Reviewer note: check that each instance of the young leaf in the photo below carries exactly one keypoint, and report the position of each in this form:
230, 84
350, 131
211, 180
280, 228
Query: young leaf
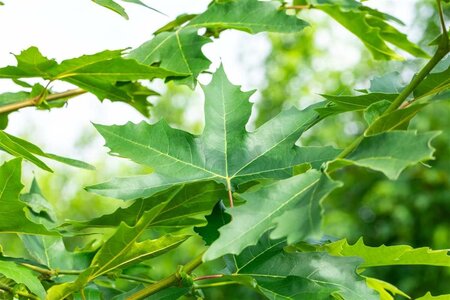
123, 248
24, 149
385, 289
12, 214
226, 152
389, 152
112, 5
429, 296
30, 63
22, 275
281, 275
291, 206
389, 255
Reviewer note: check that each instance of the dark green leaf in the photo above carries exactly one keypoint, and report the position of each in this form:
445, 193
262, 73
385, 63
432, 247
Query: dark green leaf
291, 206
225, 152
216, 219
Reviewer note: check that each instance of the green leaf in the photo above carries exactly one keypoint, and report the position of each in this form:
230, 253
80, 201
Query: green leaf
112, 5
281, 275
105, 74
12, 214
123, 248
397, 119
375, 110
389, 255
370, 26
226, 152
178, 51
291, 206
251, 16
47, 250
434, 83
10, 145
186, 206
30, 63
389, 152
428, 296
217, 218
22, 275
385, 289
24, 149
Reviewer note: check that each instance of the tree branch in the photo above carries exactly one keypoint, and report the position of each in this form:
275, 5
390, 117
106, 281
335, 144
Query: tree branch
35, 100
168, 281
441, 52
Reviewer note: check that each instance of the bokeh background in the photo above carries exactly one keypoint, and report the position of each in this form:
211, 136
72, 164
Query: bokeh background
286, 70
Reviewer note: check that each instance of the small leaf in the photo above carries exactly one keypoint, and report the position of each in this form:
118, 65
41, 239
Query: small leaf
428, 296
375, 110
385, 289
398, 119
218, 218
389, 255
22, 275
12, 214
389, 152
112, 5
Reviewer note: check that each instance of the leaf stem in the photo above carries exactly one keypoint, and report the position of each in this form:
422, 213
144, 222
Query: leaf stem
23, 294
168, 281
55, 273
206, 277
215, 284
230, 192
35, 100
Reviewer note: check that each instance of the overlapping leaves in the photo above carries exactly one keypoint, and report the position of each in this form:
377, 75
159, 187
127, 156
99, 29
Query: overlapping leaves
178, 48
105, 74
225, 152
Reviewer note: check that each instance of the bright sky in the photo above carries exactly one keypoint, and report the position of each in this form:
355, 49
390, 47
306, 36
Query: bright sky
70, 28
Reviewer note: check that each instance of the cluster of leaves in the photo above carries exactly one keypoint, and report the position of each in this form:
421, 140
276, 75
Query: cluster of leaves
269, 237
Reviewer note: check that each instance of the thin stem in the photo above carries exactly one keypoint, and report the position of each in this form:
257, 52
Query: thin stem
298, 7
55, 273
35, 100
23, 294
216, 284
441, 18
230, 192
168, 281
206, 277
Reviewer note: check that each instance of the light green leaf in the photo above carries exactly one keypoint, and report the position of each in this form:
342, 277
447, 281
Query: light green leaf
291, 206
389, 152
252, 16
226, 152
112, 5
398, 119
389, 255
22, 275
434, 83
375, 110
30, 63
24, 149
281, 275
385, 289
187, 206
12, 213
370, 26
428, 296
123, 248
178, 51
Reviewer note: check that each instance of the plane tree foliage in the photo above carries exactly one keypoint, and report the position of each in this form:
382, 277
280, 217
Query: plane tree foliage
254, 196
